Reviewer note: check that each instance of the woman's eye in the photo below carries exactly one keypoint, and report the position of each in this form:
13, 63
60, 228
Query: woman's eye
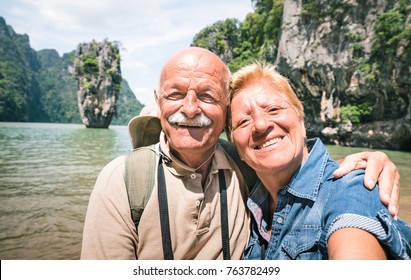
242, 123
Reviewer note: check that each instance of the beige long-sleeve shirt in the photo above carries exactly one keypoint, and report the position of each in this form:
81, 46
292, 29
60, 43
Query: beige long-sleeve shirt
195, 225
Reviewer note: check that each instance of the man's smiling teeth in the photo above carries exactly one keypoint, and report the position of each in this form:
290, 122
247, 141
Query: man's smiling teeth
188, 124
269, 143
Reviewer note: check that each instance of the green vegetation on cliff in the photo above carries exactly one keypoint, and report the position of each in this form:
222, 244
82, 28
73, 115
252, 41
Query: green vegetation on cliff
98, 73
257, 37
239, 43
19, 89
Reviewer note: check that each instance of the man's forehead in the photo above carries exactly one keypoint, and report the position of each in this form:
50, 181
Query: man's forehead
183, 75
196, 64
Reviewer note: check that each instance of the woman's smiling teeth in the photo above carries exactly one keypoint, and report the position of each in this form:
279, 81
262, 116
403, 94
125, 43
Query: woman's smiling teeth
269, 143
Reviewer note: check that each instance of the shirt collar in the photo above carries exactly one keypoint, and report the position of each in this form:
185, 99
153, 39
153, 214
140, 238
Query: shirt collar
179, 168
306, 181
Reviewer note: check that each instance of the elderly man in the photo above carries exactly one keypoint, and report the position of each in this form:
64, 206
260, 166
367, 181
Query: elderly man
192, 100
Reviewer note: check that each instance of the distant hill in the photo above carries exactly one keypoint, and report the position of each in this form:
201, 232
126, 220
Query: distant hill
38, 86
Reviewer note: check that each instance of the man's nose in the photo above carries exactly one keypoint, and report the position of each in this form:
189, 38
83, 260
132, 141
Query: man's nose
190, 105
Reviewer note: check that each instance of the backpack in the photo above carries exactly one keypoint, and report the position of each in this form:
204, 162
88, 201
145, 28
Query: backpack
140, 178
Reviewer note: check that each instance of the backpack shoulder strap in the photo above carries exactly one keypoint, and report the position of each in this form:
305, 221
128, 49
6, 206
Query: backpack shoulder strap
139, 178
249, 175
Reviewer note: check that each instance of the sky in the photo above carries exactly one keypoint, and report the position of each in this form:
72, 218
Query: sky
148, 31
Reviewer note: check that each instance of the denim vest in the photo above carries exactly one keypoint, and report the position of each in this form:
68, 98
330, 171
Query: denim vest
313, 206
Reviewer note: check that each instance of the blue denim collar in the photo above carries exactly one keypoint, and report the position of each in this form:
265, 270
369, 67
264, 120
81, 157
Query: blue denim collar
306, 181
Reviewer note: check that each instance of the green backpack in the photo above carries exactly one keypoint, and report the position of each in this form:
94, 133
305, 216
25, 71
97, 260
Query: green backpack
141, 163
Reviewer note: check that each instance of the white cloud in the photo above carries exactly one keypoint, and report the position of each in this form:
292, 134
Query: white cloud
148, 31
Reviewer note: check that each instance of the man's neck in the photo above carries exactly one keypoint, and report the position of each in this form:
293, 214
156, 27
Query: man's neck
201, 162
194, 159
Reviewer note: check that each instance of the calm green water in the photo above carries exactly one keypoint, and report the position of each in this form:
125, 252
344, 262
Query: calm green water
47, 172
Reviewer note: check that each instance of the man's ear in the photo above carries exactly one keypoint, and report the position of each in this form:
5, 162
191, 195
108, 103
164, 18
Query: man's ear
156, 98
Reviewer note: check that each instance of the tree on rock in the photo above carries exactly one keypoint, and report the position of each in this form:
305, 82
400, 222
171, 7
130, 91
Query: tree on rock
97, 70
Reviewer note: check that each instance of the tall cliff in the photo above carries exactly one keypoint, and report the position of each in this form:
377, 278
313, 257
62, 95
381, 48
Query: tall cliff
349, 61
97, 70
19, 88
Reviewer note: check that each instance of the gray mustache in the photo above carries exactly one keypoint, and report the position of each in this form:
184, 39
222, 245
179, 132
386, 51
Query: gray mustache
199, 120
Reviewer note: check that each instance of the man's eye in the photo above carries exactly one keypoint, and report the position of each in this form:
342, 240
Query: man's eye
205, 97
175, 96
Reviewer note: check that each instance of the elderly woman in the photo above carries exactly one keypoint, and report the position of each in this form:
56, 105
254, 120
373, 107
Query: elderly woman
299, 210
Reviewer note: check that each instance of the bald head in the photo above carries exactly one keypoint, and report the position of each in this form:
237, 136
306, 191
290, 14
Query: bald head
196, 58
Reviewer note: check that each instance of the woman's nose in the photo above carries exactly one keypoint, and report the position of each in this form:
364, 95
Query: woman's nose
261, 123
